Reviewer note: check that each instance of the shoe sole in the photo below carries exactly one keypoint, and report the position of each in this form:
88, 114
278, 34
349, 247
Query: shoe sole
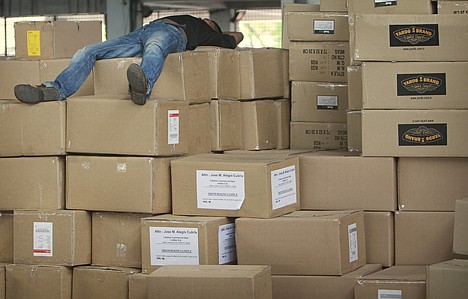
28, 94
137, 82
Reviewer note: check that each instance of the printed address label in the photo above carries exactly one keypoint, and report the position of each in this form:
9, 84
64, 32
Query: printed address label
221, 190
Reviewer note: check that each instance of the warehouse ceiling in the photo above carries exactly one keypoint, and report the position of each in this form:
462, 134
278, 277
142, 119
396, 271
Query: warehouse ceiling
210, 4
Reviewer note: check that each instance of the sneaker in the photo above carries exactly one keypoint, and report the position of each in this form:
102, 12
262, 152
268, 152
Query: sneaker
30, 94
137, 84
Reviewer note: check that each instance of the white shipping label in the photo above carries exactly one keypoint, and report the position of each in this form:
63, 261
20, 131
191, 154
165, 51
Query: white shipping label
380, 3
324, 26
327, 102
174, 246
353, 242
173, 122
389, 294
43, 239
222, 190
283, 187
227, 243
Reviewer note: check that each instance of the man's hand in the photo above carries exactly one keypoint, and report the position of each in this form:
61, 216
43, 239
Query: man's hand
237, 35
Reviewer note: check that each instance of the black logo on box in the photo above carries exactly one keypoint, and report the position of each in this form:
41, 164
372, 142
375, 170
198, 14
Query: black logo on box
414, 35
421, 84
422, 135
385, 3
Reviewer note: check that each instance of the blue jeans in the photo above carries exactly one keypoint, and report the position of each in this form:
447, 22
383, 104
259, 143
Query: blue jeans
153, 42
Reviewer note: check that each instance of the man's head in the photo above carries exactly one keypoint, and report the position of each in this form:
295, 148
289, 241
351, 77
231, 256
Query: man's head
213, 25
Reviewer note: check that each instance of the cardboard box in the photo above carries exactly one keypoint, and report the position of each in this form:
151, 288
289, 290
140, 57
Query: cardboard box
58, 39
390, 7
137, 286
199, 129
286, 87
259, 123
159, 128
6, 241
320, 242
429, 37
283, 119
410, 85
259, 186
319, 102
119, 184
393, 282
38, 281
323, 287
319, 61
452, 7
380, 237
431, 184
32, 130
226, 125
287, 7
354, 136
13, 72
447, 279
32, 183
318, 136
460, 238
317, 26
2, 281
60, 237
334, 5
411, 133
231, 282
181, 240
417, 232
261, 73
332, 180
101, 282
116, 240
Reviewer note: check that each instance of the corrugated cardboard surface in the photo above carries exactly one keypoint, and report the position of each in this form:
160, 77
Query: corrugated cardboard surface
285, 60
259, 123
431, 184
119, 184
406, 281
380, 237
137, 286
423, 238
287, 7
390, 7
116, 239
303, 242
452, 7
112, 124
229, 282
226, 125
460, 237
318, 136
199, 129
70, 241
256, 175
2, 281
447, 279
354, 128
6, 241
323, 287
317, 26
32, 183
333, 5
283, 117
38, 281
340, 181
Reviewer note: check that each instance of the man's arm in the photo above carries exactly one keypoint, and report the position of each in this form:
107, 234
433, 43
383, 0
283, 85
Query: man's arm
238, 36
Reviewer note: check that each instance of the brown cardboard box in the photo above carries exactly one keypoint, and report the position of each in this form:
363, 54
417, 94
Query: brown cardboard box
460, 237
110, 75
137, 286
447, 280
259, 123
407, 133
101, 282
2, 281
390, 7
323, 287
6, 241
410, 85
332, 180
119, 184
318, 136
283, 119
319, 102
226, 125
423, 238
393, 282
181, 240
38, 281
317, 26
58, 39
452, 7
116, 240
199, 129
261, 73
286, 87
13, 72
334, 5
319, 61
380, 237
304, 242
287, 7
228, 282
259, 186
112, 124
32, 183
354, 126
32, 130
431, 184
392, 38
60, 237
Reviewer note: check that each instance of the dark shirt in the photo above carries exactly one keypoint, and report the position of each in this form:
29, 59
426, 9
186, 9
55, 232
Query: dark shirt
199, 33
